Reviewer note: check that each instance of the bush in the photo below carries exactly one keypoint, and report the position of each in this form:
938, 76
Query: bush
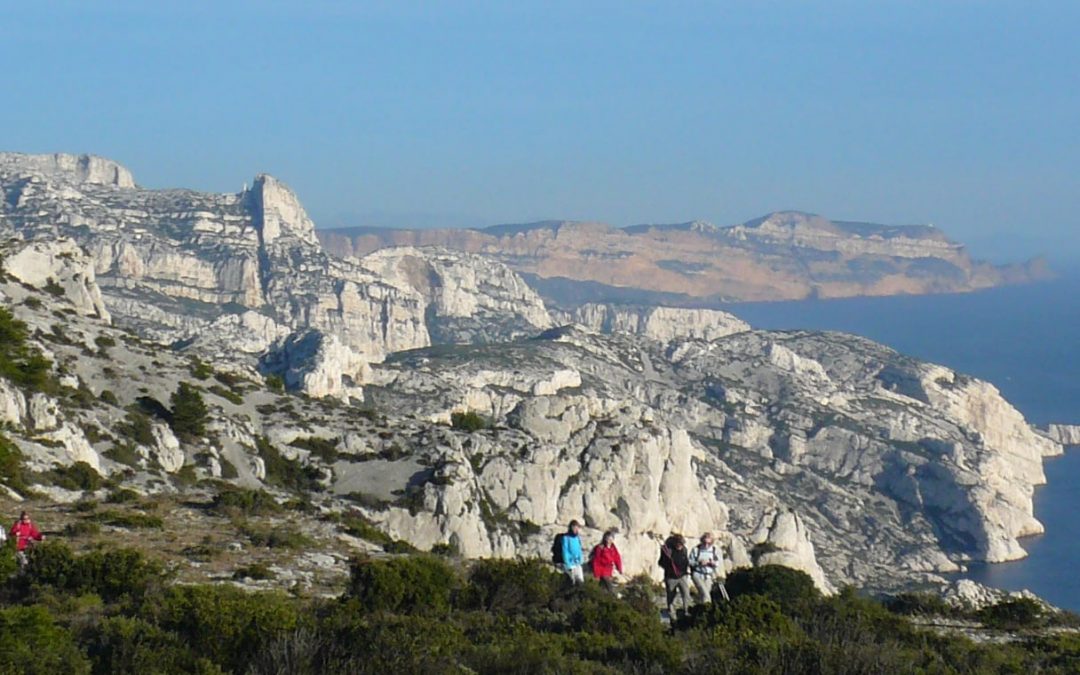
189, 413
129, 520
323, 448
468, 421
124, 453
121, 644
792, 589
32, 643
121, 496
104, 342
233, 501
137, 427
1012, 614
286, 473
20, 362
416, 584
108, 397
255, 571
227, 394
12, 472
78, 476
275, 383
919, 604
225, 624
510, 585
111, 574
275, 537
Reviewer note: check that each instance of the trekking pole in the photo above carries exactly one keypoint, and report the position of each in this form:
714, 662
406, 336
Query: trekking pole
723, 591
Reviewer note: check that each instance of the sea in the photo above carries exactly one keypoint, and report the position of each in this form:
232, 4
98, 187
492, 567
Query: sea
1024, 340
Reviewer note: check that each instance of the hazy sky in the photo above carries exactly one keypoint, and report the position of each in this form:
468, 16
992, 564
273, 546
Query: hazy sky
963, 114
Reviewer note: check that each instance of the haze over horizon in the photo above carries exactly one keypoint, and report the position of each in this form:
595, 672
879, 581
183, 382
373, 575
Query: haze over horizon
957, 113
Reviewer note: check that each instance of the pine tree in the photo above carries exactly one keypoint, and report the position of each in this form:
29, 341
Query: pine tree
189, 412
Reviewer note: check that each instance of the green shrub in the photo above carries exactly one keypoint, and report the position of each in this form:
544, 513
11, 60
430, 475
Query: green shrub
12, 472
20, 362
104, 342
129, 520
82, 528
226, 624
32, 643
286, 473
468, 421
510, 585
121, 496
919, 604
275, 537
53, 288
415, 584
235, 501
256, 571
792, 589
111, 574
227, 394
1013, 614
122, 644
189, 414
138, 427
33, 302
124, 453
107, 396
275, 383
323, 448
78, 476
200, 370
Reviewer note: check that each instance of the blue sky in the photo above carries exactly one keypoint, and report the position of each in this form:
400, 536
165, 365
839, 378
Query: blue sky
963, 114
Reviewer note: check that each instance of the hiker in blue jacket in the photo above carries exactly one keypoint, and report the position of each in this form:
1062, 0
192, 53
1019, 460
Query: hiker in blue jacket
571, 553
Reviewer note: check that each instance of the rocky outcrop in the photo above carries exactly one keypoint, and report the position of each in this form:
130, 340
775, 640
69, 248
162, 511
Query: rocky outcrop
60, 267
1066, 434
784, 255
317, 364
664, 324
782, 539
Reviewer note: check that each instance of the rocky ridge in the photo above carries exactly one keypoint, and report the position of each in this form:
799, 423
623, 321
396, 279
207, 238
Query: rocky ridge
783, 256
183, 266
825, 452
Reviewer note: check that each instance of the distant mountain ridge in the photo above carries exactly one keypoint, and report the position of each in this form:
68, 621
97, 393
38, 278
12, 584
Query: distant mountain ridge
784, 255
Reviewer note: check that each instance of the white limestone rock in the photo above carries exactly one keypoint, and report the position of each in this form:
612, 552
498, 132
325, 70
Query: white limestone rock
318, 365
58, 263
664, 324
1066, 434
782, 539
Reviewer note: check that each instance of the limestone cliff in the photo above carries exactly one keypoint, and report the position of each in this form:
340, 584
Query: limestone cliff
181, 266
782, 256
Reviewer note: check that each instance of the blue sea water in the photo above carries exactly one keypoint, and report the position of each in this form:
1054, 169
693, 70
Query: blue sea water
1023, 339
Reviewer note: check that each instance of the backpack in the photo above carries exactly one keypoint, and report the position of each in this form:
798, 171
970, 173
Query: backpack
556, 549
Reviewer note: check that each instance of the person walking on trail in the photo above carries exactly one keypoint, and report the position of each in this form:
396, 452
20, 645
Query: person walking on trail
24, 533
707, 567
676, 566
605, 560
571, 553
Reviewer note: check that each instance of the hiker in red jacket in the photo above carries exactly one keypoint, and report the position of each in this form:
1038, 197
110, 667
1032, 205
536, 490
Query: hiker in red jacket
24, 532
605, 560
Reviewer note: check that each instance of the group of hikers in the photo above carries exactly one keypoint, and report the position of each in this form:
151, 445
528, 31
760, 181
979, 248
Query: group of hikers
24, 533
703, 564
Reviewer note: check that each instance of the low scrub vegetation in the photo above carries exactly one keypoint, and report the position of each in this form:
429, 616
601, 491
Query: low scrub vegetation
115, 611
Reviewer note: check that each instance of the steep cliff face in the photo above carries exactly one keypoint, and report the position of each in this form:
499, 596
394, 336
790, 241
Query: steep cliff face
181, 266
785, 255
